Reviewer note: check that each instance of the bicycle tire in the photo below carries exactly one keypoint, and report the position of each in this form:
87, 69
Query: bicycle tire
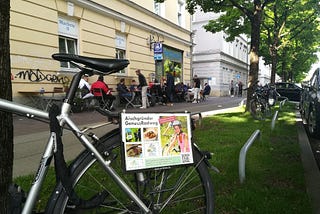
155, 191
257, 109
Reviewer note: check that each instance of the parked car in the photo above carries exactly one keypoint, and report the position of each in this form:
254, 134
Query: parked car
289, 90
310, 104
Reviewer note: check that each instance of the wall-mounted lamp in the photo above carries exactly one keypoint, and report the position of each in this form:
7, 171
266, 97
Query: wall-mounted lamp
151, 40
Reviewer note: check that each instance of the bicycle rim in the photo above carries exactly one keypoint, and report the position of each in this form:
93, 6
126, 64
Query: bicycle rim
174, 190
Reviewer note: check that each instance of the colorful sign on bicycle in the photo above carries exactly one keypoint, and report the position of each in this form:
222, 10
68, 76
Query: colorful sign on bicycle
156, 140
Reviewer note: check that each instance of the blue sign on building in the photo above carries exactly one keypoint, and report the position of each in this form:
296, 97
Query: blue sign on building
157, 48
158, 56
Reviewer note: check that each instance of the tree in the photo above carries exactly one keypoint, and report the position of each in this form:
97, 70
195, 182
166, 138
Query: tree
237, 17
6, 127
289, 29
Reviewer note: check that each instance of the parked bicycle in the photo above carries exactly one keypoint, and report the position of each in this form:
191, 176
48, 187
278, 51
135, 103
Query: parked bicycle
263, 98
95, 182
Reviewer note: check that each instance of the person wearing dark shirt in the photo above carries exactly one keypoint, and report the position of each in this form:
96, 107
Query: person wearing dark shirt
170, 88
124, 93
206, 89
144, 87
122, 89
133, 87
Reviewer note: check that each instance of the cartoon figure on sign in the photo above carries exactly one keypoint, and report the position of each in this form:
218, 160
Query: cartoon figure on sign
179, 140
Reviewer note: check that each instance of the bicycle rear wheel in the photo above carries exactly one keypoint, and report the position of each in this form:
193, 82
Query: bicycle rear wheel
257, 109
173, 190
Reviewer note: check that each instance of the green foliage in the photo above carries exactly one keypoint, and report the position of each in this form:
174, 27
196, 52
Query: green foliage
290, 30
174, 69
289, 37
235, 16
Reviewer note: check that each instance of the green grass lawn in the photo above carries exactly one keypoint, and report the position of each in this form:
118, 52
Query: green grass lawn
274, 174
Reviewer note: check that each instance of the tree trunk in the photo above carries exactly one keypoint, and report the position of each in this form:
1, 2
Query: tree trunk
254, 49
274, 62
6, 127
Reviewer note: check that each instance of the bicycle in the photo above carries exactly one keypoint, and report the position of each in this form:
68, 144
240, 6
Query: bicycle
263, 98
95, 182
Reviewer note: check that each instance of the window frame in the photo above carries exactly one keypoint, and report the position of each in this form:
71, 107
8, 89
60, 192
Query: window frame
180, 13
122, 71
121, 46
69, 67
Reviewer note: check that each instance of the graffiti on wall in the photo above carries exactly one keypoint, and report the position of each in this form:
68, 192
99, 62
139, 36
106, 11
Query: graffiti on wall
38, 76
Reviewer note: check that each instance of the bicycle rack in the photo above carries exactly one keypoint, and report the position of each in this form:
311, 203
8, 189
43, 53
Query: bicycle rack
283, 102
243, 153
275, 117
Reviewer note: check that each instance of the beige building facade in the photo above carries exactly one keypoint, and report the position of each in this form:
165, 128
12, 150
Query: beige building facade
150, 35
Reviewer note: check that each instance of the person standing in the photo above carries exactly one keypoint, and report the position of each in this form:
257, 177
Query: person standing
170, 88
236, 92
144, 87
240, 88
231, 88
196, 83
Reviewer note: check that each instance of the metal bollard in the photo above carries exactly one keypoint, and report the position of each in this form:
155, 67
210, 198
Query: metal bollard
243, 153
275, 117
282, 103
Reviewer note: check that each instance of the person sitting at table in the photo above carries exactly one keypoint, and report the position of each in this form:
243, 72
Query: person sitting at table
206, 89
85, 87
190, 94
123, 90
102, 93
133, 86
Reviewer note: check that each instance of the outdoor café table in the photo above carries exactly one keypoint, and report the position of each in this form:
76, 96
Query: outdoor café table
42, 99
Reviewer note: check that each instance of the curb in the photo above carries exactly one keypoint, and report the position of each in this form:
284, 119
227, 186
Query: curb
311, 170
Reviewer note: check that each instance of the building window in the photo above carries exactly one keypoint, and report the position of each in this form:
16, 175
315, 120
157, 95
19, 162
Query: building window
67, 45
159, 8
68, 39
121, 42
121, 54
180, 13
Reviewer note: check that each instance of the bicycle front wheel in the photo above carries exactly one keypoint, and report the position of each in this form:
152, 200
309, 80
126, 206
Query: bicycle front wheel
172, 190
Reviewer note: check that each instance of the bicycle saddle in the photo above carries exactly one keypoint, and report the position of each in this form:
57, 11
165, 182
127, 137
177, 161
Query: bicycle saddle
101, 64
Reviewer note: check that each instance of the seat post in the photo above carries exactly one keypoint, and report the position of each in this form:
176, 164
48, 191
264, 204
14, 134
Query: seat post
73, 88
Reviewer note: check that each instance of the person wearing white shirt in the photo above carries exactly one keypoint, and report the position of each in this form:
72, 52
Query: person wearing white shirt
85, 87
190, 93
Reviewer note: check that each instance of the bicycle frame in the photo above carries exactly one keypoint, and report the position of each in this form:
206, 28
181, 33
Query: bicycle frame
47, 155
